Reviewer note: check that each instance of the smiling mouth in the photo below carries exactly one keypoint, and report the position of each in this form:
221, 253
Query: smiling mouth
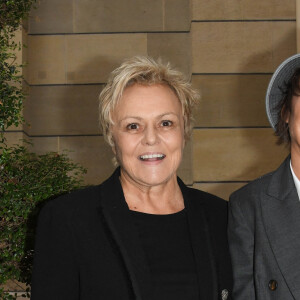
152, 157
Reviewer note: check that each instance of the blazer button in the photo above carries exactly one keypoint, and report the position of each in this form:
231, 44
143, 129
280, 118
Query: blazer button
273, 285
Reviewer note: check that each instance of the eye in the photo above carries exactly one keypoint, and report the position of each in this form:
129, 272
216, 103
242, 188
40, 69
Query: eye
132, 126
166, 123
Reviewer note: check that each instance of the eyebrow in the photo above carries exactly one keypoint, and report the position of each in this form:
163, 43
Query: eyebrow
139, 118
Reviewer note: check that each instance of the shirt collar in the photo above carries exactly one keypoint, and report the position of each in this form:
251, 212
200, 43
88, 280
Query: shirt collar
296, 180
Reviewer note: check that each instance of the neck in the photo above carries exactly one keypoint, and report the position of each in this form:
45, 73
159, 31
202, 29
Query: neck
295, 160
165, 198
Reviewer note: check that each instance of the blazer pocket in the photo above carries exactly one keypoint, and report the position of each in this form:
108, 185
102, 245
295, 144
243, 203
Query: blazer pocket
261, 287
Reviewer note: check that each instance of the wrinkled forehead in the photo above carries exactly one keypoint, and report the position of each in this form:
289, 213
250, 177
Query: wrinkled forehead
135, 87
149, 99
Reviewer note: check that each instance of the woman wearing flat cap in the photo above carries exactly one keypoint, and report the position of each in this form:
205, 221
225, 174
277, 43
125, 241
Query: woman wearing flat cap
141, 234
264, 216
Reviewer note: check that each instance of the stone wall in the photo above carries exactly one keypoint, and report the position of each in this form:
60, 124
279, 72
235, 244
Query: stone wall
229, 48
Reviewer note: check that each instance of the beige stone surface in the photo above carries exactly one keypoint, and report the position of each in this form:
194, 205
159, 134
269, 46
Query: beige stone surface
14, 137
60, 59
15, 288
235, 154
42, 145
284, 42
92, 16
90, 58
243, 9
19, 296
25, 54
18, 39
39, 145
51, 16
118, 16
13, 285
231, 100
241, 47
92, 153
185, 171
220, 189
171, 47
46, 60
63, 110
15, 128
177, 15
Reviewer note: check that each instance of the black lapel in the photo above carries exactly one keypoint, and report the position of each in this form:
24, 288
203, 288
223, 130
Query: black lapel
201, 244
281, 217
119, 221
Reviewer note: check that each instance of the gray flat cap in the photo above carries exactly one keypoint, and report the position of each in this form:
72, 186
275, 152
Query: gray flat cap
274, 93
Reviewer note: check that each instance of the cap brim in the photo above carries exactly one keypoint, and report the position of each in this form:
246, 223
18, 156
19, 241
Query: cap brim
274, 92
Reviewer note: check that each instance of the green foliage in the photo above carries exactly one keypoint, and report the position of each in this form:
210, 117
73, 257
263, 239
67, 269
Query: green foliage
11, 93
27, 180
12, 11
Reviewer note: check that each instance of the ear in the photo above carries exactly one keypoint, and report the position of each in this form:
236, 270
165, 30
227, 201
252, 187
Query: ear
111, 143
113, 148
285, 114
287, 117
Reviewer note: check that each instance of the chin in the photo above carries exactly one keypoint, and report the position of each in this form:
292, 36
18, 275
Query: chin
155, 180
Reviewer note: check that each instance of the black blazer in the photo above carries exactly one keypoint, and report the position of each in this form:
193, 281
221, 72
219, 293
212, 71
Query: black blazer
87, 246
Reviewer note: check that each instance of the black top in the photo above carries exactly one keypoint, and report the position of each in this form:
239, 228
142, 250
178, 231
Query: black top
166, 242
88, 247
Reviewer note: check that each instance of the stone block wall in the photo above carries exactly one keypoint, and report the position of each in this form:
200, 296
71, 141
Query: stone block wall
228, 48
236, 46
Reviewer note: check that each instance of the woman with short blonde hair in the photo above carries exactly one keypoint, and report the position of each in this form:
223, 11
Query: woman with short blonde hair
142, 234
145, 71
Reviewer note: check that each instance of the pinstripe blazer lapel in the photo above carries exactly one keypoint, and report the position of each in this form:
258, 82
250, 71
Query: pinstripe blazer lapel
281, 217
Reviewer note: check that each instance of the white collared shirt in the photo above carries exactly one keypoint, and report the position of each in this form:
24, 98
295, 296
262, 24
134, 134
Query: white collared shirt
296, 180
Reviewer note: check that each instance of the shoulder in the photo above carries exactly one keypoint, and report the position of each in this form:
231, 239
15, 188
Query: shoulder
252, 190
214, 208
198, 198
246, 201
203, 198
258, 187
73, 203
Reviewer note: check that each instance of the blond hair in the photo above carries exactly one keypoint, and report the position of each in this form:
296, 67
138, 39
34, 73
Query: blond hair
146, 71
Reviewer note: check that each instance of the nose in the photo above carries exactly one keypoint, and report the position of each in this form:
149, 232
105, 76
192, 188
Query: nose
150, 136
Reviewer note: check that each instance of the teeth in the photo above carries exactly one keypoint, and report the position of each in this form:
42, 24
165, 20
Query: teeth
148, 156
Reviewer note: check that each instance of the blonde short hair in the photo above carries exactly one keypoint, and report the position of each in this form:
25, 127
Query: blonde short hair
146, 71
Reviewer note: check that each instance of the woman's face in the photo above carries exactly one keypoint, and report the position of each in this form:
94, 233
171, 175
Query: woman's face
148, 134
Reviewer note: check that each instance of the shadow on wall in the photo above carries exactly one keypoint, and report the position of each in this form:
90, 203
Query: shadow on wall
84, 137
260, 143
65, 116
234, 142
